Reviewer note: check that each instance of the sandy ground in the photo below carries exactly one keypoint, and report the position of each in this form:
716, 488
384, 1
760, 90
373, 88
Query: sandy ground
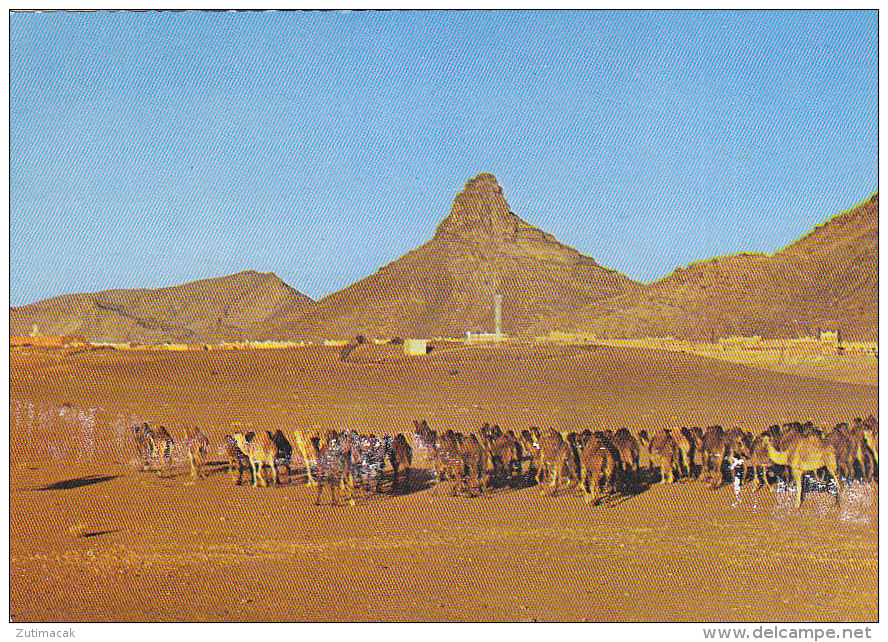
93, 539
851, 367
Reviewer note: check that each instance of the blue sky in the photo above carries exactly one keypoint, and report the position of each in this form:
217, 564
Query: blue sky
152, 149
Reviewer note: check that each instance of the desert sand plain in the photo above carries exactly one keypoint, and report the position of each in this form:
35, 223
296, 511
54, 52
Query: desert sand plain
92, 538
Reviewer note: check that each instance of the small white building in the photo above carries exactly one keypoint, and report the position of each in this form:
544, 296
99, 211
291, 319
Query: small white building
415, 346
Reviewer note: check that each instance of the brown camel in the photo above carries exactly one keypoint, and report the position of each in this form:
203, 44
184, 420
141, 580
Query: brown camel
237, 459
161, 447
196, 444
401, 458
598, 468
504, 452
557, 457
309, 453
664, 454
627, 445
805, 455
261, 452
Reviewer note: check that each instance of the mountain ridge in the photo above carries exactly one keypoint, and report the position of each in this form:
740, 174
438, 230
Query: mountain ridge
446, 286
228, 307
826, 279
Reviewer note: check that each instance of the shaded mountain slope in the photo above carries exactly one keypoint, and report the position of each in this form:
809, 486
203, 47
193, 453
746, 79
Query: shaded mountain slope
827, 279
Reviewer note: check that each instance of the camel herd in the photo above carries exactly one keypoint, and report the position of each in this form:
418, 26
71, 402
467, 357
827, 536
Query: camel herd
600, 463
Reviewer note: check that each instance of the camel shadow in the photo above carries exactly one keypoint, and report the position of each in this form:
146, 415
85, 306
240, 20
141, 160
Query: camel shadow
417, 481
78, 482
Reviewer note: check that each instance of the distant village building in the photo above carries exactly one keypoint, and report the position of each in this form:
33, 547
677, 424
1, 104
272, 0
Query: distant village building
741, 342
34, 338
415, 346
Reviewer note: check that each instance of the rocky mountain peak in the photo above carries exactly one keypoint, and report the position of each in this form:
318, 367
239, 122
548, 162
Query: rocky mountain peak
480, 212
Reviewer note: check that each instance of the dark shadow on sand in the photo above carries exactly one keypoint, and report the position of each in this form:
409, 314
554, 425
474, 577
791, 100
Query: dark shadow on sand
78, 482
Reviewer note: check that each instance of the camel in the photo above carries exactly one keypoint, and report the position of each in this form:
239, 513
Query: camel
309, 454
196, 445
366, 455
664, 454
504, 454
428, 438
161, 446
717, 444
531, 449
142, 439
284, 456
448, 460
684, 451
401, 458
332, 468
871, 434
556, 456
805, 455
845, 448
237, 458
350, 446
694, 437
597, 467
474, 457
755, 456
864, 453
627, 446
262, 452
153, 444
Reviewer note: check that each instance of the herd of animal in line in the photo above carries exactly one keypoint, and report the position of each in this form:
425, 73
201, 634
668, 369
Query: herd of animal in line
600, 462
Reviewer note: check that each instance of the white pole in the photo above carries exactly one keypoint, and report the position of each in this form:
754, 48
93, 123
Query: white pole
498, 313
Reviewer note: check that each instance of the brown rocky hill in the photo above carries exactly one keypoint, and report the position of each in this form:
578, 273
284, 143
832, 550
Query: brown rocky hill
447, 286
827, 279
239, 306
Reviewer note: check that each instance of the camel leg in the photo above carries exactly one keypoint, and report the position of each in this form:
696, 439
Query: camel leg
318, 498
590, 488
866, 464
260, 468
556, 478
584, 484
311, 478
798, 478
838, 486
717, 478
